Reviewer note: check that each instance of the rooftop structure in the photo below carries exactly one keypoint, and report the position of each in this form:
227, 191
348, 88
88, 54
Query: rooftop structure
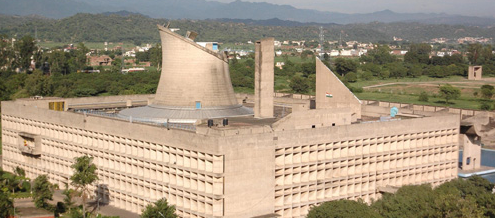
194, 84
244, 166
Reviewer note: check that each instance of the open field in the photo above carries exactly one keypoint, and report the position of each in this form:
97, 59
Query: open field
464, 103
407, 91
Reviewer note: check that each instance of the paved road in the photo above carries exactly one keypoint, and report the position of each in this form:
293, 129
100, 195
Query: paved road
58, 196
103, 209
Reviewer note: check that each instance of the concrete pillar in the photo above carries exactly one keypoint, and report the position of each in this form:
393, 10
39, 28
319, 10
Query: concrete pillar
264, 78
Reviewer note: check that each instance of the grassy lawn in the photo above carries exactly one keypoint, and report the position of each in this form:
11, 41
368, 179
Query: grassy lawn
463, 102
361, 83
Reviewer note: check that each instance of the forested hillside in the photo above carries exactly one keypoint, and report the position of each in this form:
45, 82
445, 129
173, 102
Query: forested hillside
138, 28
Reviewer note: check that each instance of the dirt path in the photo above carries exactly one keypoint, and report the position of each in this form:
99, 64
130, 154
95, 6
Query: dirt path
431, 83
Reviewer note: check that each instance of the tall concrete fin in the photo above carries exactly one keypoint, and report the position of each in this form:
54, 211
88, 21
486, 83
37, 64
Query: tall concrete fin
332, 93
264, 78
192, 74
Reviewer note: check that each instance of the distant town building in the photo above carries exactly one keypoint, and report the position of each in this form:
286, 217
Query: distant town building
103, 60
210, 45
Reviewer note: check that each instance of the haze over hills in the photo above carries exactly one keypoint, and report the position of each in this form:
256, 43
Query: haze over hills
125, 26
202, 9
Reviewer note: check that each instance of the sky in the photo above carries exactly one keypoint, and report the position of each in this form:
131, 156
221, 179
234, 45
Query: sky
481, 8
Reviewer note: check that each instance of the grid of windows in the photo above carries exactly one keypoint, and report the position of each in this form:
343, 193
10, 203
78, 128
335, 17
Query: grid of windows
132, 172
306, 175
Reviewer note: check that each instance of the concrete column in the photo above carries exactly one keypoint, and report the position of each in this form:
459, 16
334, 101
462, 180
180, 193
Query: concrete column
264, 78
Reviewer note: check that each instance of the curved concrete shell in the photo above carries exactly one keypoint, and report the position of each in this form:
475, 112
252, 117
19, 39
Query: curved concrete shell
194, 83
192, 73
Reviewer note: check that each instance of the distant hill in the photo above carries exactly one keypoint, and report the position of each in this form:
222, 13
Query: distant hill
202, 9
122, 13
113, 27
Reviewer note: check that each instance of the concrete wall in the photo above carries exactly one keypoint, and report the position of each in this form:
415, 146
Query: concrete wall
136, 163
88, 102
352, 161
471, 146
475, 73
342, 97
192, 73
305, 119
203, 174
264, 78
236, 171
427, 108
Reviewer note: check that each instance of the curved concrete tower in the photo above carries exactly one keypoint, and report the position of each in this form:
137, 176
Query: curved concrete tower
194, 83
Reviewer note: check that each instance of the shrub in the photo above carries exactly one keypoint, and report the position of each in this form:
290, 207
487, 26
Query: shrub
423, 96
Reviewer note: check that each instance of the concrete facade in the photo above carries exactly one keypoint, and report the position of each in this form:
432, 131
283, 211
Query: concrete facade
233, 171
475, 73
264, 79
332, 93
183, 82
471, 152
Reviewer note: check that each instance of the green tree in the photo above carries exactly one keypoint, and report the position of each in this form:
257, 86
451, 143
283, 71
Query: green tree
19, 172
408, 201
450, 203
58, 62
342, 209
68, 198
155, 56
375, 69
397, 70
474, 52
485, 106
423, 96
418, 54
25, 48
6, 205
344, 66
487, 91
305, 54
78, 59
415, 70
308, 68
4, 93
42, 191
351, 77
379, 55
159, 209
299, 84
39, 84
462, 194
448, 92
84, 175
7, 54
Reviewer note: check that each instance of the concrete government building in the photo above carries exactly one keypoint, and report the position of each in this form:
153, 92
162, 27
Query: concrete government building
213, 153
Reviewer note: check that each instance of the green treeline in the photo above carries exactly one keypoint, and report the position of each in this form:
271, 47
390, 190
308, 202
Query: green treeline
55, 72
376, 65
141, 29
468, 198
